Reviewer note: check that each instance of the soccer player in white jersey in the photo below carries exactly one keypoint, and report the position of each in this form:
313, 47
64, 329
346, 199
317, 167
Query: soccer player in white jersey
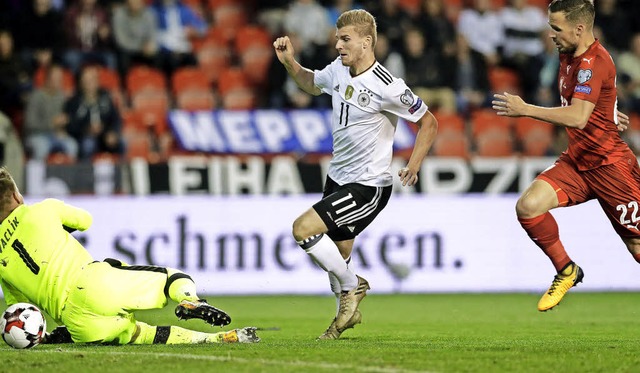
367, 101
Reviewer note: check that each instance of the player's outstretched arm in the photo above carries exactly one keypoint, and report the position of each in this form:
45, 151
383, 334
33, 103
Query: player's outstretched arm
301, 75
574, 115
71, 217
428, 127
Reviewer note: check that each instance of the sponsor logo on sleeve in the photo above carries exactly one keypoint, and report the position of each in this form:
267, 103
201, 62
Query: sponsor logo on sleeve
583, 89
415, 106
584, 76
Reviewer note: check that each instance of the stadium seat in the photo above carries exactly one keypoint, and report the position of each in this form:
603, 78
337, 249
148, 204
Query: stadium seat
483, 120
153, 107
239, 98
213, 57
251, 35
138, 144
535, 137
491, 134
451, 144
255, 61
194, 99
450, 122
504, 80
188, 78
229, 16
145, 78
410, 6
231, 78
542, 4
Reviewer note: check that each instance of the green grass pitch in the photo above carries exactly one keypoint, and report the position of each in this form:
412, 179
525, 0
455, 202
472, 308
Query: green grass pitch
588, 332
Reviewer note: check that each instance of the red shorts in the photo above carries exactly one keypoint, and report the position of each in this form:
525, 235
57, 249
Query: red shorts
616, 187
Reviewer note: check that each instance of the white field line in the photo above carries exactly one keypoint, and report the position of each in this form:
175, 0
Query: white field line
310, 364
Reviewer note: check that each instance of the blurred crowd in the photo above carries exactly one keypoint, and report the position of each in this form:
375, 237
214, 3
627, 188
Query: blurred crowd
84, 79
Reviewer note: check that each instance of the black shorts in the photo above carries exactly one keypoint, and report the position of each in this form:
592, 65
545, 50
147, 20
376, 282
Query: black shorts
348, 209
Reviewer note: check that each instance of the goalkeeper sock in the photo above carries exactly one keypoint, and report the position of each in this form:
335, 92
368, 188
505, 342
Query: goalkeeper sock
180, 286
149, 334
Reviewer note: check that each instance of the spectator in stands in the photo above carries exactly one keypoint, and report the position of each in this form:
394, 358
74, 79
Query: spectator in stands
271, 14
524, 28
472, 83
628, 65
615, 25
45, 121
392, 60
548, 77
392, 21
93, 119
425, 73
14, 79
88, 34
135, 35
177, 25
310, 22
481, 30
40, 38
435, 24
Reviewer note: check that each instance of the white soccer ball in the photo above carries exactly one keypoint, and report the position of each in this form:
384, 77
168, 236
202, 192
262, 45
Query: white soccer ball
23, 325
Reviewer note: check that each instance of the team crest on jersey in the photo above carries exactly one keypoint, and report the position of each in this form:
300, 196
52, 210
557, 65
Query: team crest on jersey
349, 92
407, 97
584, 76
363, 99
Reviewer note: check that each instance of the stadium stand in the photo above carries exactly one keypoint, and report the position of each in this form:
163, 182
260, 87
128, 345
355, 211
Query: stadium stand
234, 56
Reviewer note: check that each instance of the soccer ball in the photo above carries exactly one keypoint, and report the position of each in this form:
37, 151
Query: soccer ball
23, 325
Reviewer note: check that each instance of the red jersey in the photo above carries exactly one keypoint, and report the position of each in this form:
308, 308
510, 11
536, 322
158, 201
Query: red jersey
592, 77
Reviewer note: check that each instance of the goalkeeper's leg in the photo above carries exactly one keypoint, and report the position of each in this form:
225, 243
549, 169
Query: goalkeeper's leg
148, 334
150, 287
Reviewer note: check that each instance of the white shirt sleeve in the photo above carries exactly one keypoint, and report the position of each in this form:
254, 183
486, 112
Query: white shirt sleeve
323, 79
401, 101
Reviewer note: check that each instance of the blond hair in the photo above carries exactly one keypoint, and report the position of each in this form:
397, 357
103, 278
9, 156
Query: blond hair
363, 22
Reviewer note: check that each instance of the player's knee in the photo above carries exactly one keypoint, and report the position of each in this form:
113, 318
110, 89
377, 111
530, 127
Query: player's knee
527, 207
299, 229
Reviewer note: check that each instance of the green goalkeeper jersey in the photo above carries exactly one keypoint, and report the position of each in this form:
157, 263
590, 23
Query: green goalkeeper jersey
39, 259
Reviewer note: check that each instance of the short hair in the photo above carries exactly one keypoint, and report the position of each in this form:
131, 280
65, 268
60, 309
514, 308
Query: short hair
575, 10
363, 21
7, 188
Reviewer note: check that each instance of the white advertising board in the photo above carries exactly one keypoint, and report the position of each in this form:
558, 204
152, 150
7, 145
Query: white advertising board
243, 245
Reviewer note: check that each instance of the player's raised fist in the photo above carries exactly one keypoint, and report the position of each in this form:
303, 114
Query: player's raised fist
284, 48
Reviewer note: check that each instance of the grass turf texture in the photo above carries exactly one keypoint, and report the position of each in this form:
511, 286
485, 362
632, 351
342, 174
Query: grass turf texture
588, 332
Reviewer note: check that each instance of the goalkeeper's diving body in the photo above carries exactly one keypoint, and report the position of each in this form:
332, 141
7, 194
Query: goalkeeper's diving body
43, 264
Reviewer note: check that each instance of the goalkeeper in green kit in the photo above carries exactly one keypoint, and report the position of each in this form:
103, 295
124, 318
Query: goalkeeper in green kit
43, 264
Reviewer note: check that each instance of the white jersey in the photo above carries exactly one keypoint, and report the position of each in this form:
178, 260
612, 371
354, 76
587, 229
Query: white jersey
365, 114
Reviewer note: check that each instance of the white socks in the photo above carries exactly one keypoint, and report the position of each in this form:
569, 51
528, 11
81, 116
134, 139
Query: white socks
326, 254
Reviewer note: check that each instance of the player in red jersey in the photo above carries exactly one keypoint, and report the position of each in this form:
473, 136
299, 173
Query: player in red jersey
598, 164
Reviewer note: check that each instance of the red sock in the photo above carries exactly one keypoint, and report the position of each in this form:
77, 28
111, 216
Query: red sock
543, 231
